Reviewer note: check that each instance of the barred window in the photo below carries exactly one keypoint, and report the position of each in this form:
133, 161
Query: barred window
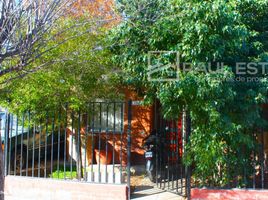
108, 117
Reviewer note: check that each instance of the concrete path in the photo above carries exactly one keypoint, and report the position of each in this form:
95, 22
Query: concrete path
144, 189
152, 193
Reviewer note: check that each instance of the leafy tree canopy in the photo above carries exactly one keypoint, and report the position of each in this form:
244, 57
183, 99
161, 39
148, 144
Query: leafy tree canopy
76, 71
224, 113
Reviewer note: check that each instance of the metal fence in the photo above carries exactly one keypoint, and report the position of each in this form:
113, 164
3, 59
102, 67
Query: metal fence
171, 173
242, 168
87, 144
92, 144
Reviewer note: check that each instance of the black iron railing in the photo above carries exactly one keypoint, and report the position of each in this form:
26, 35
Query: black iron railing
170, 170
241, 168
86, 144
171, 173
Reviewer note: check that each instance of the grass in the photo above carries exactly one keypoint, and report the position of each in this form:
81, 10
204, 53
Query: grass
59, 174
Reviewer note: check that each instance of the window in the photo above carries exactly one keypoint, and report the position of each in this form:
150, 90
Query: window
108, 117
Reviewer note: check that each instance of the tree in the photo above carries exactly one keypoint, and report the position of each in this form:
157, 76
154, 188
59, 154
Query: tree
76, 63
76, 72
224, 113
97, 10
23, 25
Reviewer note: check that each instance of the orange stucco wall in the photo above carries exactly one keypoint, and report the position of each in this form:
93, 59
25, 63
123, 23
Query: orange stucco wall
141, 126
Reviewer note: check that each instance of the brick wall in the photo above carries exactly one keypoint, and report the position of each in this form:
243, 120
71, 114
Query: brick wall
22, 188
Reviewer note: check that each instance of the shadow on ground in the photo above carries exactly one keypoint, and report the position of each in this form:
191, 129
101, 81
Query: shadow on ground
144, 191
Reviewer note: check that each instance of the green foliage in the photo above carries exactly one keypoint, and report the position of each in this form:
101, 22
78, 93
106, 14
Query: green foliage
224, 113
68, 174
75, 71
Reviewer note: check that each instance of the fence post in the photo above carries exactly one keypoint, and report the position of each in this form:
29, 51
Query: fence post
6, 161
78, 149
129, 145
2, 166
187, 130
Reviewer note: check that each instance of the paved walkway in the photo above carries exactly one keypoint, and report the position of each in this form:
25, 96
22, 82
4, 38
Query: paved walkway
144, 189
152, 193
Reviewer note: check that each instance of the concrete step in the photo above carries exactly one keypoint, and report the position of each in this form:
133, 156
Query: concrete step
103, 168
108, 177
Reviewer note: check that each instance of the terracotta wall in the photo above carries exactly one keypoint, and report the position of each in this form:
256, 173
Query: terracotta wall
141, 126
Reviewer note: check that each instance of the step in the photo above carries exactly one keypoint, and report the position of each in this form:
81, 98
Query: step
103, 177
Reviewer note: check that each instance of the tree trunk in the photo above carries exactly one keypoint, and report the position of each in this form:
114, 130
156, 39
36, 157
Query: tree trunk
78, 158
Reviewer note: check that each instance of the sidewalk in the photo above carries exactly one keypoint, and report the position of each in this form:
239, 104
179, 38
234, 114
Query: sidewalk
152, 193
144, 189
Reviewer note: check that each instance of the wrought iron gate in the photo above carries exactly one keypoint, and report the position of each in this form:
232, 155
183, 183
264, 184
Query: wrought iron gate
172, 175
69, 143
